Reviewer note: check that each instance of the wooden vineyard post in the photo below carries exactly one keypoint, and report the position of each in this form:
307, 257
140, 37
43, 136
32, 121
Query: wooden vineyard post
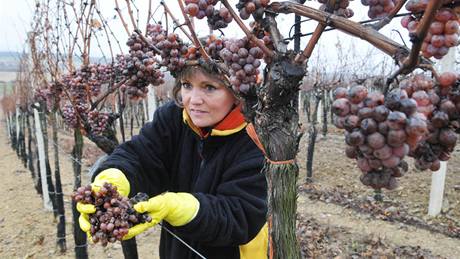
41, 156
17, 129
438, 180
312, 133
152, 104
8, 126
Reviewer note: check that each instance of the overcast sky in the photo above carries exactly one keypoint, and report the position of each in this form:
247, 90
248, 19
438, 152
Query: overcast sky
16, 17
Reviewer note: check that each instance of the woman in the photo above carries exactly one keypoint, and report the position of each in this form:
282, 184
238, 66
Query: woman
201, 168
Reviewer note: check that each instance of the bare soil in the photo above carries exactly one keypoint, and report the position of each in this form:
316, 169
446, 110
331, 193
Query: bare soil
337, 215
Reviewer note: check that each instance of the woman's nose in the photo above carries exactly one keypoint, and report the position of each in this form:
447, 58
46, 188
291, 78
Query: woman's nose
196, 96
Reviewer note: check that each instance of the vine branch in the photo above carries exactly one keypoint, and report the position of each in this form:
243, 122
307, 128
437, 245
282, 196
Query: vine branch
387, 19
176, 22
195, 39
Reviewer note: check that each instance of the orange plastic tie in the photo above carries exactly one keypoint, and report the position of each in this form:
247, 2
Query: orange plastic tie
286, 162
253, 135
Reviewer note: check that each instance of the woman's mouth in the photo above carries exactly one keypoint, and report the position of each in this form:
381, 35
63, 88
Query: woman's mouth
195, 111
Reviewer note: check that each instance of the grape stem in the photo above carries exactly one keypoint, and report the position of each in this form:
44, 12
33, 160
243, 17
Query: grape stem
130, 12
417, 37
275, 34
176, 22
87, 35
410, 63
145, 40
125, 25
109, 91
195, 39
103, 22
387, 19
246, 31
149, 15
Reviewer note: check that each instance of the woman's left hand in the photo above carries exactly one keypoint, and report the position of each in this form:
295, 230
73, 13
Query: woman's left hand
177, 209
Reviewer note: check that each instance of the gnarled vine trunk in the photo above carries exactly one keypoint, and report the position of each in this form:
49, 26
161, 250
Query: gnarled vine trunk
276, 122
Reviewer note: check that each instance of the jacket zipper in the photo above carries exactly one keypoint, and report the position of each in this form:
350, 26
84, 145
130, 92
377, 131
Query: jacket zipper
202, 163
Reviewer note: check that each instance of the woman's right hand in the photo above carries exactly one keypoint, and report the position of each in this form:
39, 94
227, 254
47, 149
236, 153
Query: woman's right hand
83, 220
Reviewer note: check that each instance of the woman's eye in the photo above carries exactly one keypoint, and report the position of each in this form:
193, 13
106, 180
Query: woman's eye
186, 86
210, 88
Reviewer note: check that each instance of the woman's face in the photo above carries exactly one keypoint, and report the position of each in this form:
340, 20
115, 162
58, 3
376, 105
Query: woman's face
205, 98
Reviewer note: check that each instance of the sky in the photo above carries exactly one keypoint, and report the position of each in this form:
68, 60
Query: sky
16, 16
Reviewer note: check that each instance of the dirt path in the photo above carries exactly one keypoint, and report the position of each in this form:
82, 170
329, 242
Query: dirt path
360, 225
28, 231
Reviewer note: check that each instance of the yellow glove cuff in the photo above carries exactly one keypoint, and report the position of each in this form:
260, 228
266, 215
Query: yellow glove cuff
115, 177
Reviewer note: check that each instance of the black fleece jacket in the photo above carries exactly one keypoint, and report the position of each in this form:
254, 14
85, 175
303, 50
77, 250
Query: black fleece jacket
222, 172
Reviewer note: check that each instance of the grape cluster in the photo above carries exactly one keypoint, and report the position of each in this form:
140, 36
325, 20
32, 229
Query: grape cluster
172, 49
340, 8
50, 95
254, 7
243, 59
379, 8
70, 118
416, 5
219, 19
53, 94
87, 81
79, 86
98, 121
40, 95
140, 67
380, 131
114, 214
70, 115
441, 106
97, 75
200, 8
443, 33
213, 46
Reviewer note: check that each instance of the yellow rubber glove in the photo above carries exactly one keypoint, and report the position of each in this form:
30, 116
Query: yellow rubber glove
177, 209
112, 176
